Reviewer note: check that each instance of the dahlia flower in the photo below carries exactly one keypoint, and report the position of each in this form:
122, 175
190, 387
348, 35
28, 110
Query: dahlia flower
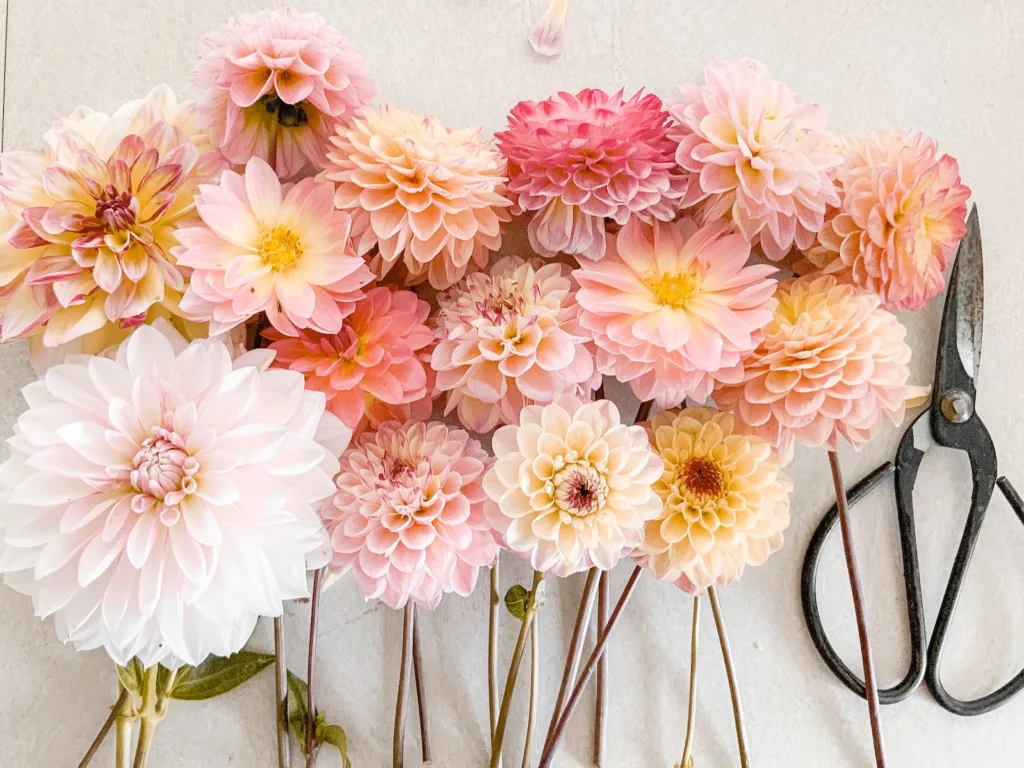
726, 500
509, 337
903, 212
158, 502
579, 160
419, 192
277, 83
757, 154
408, 515
571, 485
263, 246
673, 308
373, 357
88, 223
831, 364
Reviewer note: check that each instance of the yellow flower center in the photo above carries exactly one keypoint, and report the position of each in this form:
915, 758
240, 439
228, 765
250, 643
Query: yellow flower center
702, 478
672, 290
280, 248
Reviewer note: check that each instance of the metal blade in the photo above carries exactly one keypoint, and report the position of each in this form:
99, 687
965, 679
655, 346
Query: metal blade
968, 280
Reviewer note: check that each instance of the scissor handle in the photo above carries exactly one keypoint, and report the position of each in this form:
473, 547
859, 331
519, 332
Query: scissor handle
908, 461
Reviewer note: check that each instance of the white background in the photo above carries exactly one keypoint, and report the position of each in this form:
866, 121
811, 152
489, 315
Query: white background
950, 68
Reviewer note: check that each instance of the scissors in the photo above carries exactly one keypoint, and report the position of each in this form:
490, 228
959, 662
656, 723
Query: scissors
950, 421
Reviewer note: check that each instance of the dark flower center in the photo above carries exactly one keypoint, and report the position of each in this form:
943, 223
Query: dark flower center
702, 477
288, 115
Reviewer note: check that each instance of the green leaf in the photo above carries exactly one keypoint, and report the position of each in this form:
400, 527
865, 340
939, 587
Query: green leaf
218, 675
335, 734
516, 599
130, 676
298, 692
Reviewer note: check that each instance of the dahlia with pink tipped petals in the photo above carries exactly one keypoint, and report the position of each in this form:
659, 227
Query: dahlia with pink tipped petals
831, 364
756, 154
579, 160
429, 197
158, 502
372, 358
264, 246
509, 337
673, 308
408, 515
903, 212
277, 83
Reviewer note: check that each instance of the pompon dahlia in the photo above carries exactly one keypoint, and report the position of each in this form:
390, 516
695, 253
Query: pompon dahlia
510, 337
420, 193
277, 83
726, 500
756, 154
263, 246
374, 357
89, 222
673, 308
578, 160
831, 364
408, 513
571, 486
159, 502
903, 212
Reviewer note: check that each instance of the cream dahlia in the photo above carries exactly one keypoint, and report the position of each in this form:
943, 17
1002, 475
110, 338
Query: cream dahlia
726, 500
756, 154
509, 337
420, 193
673, 308
571, 485
277, 83
157, 503
408, 514
374, 357
902, 214
89, 222
578, 160
263, 246
831, 364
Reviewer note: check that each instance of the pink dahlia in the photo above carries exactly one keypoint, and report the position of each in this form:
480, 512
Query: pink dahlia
374, 357
756, 154
267, 247
88, 225
408, 515
579, 160
277, 83
673, 308
420, 193
509, 337
902, 214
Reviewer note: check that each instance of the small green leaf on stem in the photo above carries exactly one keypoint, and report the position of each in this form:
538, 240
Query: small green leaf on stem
516, 599
297, 693
335, 734
218, 675
130, 676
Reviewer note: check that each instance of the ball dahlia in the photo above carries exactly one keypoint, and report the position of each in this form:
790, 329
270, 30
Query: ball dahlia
726, 499
673, 308
374, 357
571, 485
408, 514
88, 223
756, 154
577, 160
263, 246
831, 364
420, 193
277, 83
509, 337
903, 212
158, 502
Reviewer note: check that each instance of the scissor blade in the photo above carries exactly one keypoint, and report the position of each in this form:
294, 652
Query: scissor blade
968, 280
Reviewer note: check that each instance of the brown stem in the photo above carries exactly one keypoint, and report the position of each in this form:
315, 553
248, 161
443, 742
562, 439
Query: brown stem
314, 612
691, 710
281, 690
730, 673
421, 694
858, 609
492, 647
588, 670
572, 658
531, 722
643, 413
104, 729
398, 744
600, 710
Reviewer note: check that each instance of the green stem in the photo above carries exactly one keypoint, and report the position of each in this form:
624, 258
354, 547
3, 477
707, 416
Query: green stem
104, 729
149, 718
281, 689
492, 647
691, 713
531, 722
730, 673
123, 731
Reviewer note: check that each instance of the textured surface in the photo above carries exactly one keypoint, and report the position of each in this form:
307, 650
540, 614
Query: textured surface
951, 69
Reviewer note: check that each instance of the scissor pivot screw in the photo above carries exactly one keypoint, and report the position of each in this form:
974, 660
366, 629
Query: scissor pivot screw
957, 406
